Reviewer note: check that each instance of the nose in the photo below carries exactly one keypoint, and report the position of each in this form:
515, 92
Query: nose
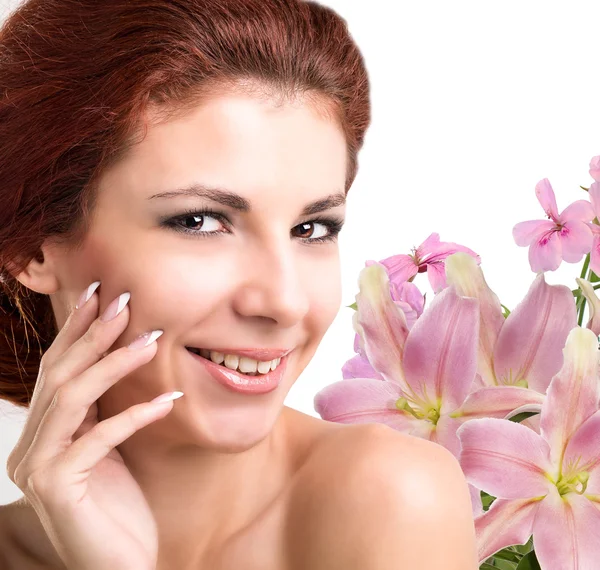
272, 285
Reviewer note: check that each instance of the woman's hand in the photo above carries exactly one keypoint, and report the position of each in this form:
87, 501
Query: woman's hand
65, 461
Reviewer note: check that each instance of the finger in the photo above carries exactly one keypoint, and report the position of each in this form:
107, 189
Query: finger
78, 321
71, 403
81, 355
84, 454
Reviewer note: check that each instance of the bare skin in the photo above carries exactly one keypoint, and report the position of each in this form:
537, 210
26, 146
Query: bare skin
265, 544
219, 459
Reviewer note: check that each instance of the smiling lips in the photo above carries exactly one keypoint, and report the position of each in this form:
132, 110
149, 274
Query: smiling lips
261, 354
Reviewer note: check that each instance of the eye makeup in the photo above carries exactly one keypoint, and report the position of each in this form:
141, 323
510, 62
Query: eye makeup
178, 223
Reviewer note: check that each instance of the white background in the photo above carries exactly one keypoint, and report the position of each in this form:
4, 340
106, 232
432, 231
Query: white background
473, 103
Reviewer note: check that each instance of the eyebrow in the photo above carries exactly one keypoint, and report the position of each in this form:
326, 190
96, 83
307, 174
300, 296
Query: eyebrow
237, 202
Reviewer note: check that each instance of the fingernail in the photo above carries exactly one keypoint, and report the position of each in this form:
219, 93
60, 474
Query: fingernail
115, 307
85, 296
167, 397
145, 339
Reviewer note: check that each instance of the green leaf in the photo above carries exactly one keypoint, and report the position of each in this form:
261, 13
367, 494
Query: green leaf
507, 554
506, 311
504, 564
525, 548
529, 562
486, 500
522, 416
594, 278
353, 306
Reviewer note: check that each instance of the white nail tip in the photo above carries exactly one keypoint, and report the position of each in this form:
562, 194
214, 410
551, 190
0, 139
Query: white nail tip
167, 397
123, 300
153, 336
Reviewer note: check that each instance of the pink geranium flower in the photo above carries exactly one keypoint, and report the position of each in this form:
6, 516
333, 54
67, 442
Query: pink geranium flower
565, 236
594, 193
595, 168
545, 484
429, 256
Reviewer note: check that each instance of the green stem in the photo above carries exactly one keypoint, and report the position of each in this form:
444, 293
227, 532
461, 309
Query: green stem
582, 299
586, 264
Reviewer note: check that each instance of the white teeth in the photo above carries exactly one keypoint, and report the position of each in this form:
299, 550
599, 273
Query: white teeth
240, 363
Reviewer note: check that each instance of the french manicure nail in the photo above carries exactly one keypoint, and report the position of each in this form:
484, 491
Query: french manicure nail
167, 397
145, 339
86, 295
115, 307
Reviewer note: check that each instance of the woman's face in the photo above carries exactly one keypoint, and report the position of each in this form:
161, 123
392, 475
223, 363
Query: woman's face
254, 279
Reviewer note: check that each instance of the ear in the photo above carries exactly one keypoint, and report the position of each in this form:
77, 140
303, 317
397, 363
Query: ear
40, 273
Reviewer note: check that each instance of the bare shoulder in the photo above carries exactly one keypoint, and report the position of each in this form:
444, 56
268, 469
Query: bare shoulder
23, 542
10, 557
377, 499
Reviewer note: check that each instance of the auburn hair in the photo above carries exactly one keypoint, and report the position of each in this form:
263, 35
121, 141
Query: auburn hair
77, 78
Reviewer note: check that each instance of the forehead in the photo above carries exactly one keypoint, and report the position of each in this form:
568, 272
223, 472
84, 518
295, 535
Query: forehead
242, 142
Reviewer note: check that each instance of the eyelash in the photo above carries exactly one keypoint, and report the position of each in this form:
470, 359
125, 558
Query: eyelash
333, 224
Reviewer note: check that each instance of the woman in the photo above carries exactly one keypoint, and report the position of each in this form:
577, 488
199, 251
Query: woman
174, 176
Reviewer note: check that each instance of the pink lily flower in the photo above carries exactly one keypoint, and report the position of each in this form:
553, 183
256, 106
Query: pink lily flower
429, 256
595, 168
428, 371
565, 236
525, 349
412, 303
594, 303
546, 484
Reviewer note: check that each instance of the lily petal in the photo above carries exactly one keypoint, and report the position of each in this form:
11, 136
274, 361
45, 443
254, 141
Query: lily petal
499, 402
582, 452
576, 240
476, 504
573, 394
467, 277
594, 303
532, 422
545, 253
359, 367
440, 356
530, 343
504, 458
546, 197
505, 523
580, 210
380, 323
400, 268
565, 532
445, 434
524, 233
362, 400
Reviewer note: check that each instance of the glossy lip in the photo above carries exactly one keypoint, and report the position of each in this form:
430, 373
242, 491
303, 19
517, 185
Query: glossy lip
237, 382
264, 354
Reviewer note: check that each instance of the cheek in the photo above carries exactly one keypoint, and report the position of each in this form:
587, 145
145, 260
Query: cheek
325, 294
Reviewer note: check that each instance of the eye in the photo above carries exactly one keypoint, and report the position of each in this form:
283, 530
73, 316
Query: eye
193, 221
